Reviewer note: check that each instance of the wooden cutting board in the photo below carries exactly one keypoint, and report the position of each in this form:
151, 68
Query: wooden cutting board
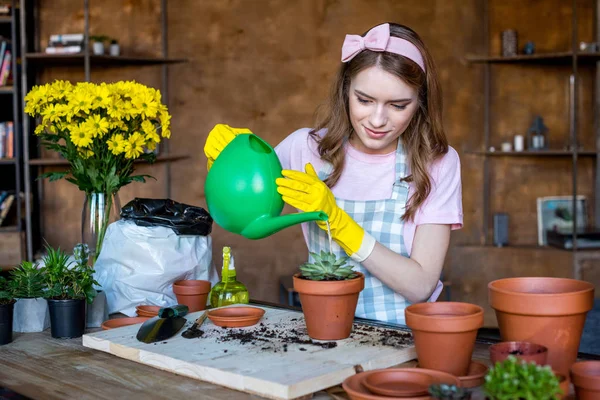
274, 359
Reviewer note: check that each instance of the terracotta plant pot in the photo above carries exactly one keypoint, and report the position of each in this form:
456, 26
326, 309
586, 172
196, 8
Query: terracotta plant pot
546, 311
444, 334
329, 306
525, 351
193, 293
585, 376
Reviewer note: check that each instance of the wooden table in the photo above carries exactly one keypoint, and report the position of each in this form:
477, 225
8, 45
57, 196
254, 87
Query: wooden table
38, 366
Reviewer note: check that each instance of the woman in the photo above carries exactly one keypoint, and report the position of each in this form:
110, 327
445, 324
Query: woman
378, 163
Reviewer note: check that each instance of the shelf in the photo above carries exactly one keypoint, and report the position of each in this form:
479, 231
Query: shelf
7, 89
565, 58
8, 161
530, 153
5, 19
522, 247
60, 161
45, 59
12, 228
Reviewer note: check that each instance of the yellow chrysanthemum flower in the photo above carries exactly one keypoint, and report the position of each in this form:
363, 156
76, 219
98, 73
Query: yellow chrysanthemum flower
96, 125
85, 153
116, 144
40, 129
145, 103
116, 109
80, 101
59, 89
101, 96
52, 113
134, 146
80, 136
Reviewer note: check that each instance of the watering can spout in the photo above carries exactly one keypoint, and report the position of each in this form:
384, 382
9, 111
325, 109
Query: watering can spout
267, 225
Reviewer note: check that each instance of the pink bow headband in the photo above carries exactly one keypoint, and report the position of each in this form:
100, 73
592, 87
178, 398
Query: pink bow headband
379, 39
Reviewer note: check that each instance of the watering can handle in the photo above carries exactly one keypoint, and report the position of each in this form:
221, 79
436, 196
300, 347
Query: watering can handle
171, 312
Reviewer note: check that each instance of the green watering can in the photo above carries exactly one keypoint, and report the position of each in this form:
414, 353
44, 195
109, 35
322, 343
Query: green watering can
241, 193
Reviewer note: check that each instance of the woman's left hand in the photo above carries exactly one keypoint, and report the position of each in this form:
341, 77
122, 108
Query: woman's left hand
306, 192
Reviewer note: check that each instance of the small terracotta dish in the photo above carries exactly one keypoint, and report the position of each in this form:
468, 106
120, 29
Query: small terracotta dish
525, 351
120, 322
475, 376
356, 389
147, 311
236, 317
398, 383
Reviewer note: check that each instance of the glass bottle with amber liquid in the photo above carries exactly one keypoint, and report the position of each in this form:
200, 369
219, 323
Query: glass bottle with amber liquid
229, 290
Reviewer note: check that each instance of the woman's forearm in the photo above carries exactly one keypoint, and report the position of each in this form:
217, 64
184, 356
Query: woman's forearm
402, 274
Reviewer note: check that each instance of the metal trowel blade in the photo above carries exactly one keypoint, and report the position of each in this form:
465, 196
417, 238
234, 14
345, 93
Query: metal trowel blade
156, 329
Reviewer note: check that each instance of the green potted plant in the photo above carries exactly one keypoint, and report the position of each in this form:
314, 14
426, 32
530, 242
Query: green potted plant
7, 303
69, 288
98, 43
27, 283
443, 391
328, 290
114, 49
97, 310
514, 379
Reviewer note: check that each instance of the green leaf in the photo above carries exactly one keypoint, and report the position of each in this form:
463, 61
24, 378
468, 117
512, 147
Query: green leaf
54, 176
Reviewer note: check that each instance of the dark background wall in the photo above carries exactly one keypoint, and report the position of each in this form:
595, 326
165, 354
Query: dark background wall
266, 65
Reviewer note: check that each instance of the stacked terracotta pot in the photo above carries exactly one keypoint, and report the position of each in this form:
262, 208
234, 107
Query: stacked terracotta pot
444, 334
547, 311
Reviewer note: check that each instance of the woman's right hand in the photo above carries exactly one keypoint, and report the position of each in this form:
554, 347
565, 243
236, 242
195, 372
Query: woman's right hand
218, 138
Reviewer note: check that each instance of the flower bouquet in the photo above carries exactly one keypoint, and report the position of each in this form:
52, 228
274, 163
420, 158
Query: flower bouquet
100, 129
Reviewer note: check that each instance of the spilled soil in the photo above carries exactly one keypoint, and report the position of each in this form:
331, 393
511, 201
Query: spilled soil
292, 333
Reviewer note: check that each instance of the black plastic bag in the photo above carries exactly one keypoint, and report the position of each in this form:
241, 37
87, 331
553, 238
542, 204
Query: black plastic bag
182, 218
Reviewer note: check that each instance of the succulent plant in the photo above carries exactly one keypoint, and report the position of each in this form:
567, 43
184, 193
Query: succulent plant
327, 267
6, 296
448, 392
518, 379
27, 281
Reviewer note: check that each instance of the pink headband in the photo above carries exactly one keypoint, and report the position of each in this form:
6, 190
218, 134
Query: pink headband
379, 39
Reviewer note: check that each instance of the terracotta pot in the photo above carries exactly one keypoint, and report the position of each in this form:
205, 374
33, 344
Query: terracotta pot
329, 306
525, 351
193, 293
444, 334
546, 311
586, 379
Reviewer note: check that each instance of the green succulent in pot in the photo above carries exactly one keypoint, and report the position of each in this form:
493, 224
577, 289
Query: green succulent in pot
516, 379
66, 281
27, 281
327, 267
448, 392
6, 293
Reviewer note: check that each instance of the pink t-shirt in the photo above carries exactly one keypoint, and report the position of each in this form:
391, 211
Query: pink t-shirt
371, 177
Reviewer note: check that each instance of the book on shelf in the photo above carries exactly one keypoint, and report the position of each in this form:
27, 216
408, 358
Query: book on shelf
7, 140
70, 43
6, 207
64, 50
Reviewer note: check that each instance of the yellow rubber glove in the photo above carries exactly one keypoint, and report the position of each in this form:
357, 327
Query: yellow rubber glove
306, 192
218, 138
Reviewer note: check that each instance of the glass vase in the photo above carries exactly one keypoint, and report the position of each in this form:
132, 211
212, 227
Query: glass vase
99, 211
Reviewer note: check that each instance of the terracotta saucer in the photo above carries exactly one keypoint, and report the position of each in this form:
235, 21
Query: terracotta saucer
120, 322
357, 391
236, 317
475, 376
147, 311
398, 383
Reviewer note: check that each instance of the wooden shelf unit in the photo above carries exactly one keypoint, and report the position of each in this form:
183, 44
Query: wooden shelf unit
564, 58
44, 60
48, 162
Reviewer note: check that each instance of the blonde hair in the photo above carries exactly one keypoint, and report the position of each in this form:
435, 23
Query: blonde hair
424, 139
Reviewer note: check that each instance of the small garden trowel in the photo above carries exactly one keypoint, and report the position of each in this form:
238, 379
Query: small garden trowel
168, 322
